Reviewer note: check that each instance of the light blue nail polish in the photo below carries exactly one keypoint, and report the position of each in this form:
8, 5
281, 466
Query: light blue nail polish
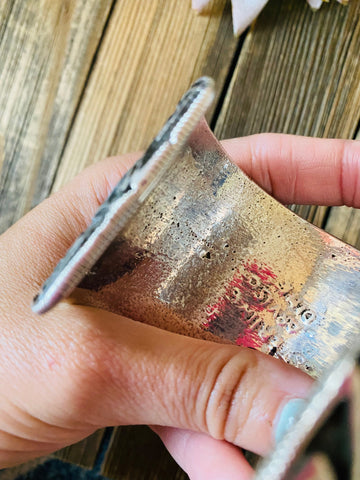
287, 417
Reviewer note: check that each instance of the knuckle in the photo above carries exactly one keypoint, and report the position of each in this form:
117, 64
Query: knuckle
232, 395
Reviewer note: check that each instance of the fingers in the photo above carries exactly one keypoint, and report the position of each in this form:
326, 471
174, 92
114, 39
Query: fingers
301, 169
203, 457
120, 371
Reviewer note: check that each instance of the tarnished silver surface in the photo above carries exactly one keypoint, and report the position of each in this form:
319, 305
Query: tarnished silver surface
325, 395
209, 254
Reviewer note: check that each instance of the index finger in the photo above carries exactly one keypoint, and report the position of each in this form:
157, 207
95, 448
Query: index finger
301, 169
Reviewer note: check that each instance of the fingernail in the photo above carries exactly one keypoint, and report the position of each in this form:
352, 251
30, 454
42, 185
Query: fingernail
288, 416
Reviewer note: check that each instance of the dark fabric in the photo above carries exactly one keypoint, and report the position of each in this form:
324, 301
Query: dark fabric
55, 469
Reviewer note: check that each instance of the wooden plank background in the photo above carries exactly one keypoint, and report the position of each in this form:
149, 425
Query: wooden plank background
83, 79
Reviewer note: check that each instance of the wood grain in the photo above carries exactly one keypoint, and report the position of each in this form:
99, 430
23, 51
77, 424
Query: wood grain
150, 55
82, 453
344, 223
82, 79
46, 49
298, 72
138, 454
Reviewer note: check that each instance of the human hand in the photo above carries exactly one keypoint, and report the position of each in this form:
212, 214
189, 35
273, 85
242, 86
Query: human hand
76, 369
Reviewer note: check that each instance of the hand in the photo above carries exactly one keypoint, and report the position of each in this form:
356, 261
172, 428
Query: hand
76, 369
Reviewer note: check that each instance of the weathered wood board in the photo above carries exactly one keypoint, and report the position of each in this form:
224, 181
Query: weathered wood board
81, 79
138, 454
298, 72
46, 51
138, 79
83, 453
